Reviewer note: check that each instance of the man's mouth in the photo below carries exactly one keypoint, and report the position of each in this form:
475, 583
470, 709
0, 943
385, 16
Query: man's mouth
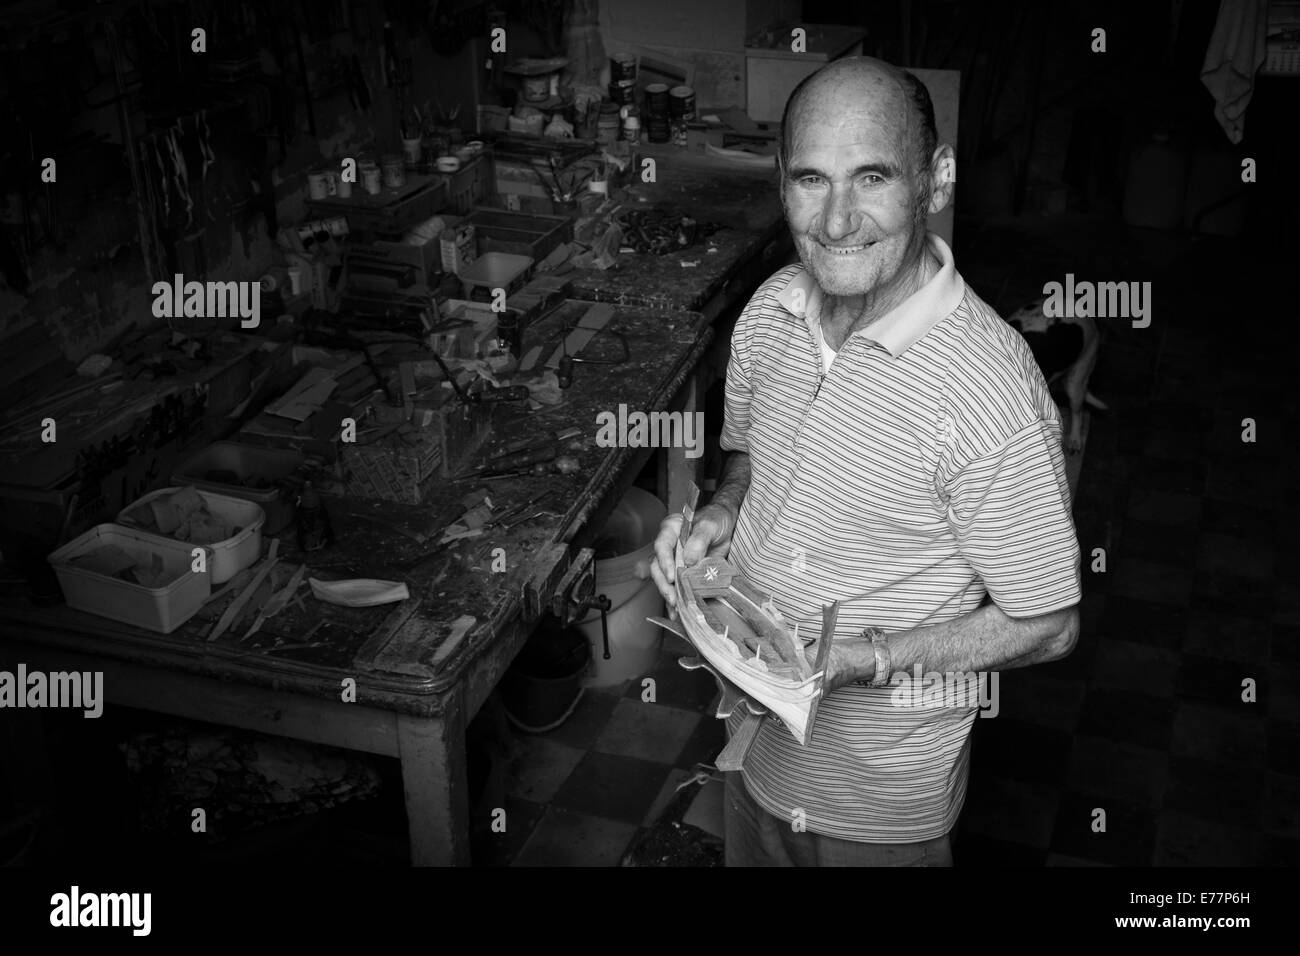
845, 250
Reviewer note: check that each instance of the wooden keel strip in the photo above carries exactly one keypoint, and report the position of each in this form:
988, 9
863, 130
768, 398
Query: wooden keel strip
732, 756
830, 614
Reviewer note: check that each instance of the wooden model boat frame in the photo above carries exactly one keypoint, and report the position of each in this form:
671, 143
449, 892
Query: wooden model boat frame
747, 645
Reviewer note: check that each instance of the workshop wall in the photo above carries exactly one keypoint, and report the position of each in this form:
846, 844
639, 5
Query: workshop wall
73, 274
710, 37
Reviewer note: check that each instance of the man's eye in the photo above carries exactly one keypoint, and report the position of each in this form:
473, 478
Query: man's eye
810, 180
872, 179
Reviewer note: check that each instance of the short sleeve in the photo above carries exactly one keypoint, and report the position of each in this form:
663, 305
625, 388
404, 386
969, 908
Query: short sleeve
738, 397
1009, 510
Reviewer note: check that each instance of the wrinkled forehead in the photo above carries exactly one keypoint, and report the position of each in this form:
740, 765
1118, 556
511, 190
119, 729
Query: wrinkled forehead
861, 111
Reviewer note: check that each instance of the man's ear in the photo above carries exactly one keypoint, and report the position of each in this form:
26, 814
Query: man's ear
943, 178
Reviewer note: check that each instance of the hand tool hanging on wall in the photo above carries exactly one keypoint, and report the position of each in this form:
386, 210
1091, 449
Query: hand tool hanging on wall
153, 146
205, 142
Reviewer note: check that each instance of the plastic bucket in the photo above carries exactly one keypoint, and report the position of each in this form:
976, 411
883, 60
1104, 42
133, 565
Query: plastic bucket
624, 550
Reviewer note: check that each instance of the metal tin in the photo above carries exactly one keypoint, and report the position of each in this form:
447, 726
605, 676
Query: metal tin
658, 128
623, 93
371, 178
681, 102
394, 167
656, 98
622, 68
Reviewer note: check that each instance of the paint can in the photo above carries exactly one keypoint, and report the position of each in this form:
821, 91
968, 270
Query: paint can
656, 98
607, 126
622, 68
317, 184
658, 128
371, 178
681, 102
394, 168
623, 94
345, 188
411, 150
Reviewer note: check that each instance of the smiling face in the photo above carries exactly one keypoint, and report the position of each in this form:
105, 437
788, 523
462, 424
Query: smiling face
854, 189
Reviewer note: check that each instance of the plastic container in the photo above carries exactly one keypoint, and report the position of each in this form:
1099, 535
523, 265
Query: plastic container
156, 609
248, 462
624, 577
225, 558
495, 270
544, 684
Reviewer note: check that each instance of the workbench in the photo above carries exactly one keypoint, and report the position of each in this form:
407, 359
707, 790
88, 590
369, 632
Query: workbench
416, 689
751, 243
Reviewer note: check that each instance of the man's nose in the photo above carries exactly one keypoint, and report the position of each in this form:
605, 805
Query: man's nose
838, 215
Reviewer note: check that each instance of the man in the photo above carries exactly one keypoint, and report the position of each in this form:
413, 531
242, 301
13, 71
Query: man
893, 446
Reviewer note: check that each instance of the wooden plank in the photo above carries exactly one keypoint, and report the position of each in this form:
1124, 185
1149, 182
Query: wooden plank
369, 652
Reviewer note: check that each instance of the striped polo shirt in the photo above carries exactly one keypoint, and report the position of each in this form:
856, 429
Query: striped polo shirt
923, 470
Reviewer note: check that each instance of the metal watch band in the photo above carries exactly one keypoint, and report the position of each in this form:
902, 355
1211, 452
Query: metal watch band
880, 648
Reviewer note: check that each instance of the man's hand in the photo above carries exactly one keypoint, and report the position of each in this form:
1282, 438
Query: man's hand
851, 659
710, 535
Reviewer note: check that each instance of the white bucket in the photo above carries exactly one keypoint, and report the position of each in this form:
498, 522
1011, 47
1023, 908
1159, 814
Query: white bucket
624, 577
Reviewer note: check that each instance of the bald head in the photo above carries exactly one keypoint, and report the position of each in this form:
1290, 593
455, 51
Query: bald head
858, 82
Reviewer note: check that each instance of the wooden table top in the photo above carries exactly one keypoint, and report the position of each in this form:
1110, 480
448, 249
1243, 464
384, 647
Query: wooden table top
458, 580
746, 205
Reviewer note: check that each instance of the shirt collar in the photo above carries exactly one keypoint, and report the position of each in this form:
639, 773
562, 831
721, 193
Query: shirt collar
907, 323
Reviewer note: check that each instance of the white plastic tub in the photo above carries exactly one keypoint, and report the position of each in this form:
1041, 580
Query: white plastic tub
624, 577
225, 558
495, 270
156, 609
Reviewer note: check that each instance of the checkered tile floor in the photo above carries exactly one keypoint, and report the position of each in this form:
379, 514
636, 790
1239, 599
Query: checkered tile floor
1145, 720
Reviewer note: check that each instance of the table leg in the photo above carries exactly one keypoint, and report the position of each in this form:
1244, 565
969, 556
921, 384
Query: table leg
434, 778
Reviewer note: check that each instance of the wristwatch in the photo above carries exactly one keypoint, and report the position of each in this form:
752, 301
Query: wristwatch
880, 648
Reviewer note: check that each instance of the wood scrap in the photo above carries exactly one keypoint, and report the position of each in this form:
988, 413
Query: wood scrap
237, 605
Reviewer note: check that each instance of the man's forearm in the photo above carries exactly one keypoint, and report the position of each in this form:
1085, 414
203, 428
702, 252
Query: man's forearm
985, 639
734, 484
